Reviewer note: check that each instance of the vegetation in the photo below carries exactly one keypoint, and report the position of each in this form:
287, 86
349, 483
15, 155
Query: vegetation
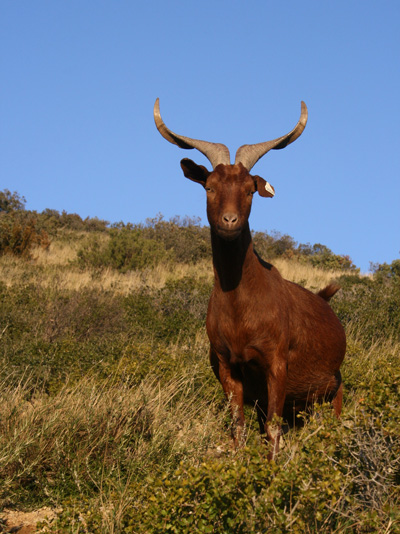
112, 415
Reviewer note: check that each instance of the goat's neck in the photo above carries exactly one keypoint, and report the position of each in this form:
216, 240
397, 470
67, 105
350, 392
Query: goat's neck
234, 261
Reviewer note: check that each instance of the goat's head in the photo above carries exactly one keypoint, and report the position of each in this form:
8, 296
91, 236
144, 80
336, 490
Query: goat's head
229, 188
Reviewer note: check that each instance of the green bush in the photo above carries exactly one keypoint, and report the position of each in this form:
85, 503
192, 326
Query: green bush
127, 249
370, 305
339, 477
387, 272
174, 312
55, 335
145, 246
53, 221
276, 245
185, 239
321, 256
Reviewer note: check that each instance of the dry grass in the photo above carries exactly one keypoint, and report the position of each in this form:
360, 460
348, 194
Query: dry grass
55, 268
90, 429
305, 274
58, 253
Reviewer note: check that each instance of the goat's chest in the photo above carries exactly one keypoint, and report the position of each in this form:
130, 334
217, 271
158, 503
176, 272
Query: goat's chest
242, 331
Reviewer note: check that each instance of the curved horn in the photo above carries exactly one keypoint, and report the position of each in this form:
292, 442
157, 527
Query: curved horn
248, 155
216, 153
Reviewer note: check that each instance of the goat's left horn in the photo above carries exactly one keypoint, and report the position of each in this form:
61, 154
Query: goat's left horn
216, 153
248, 155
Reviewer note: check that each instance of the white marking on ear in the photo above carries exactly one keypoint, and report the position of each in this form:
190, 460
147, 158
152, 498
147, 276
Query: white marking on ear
269, 188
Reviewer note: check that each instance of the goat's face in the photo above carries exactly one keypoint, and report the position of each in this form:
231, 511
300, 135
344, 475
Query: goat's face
230, 190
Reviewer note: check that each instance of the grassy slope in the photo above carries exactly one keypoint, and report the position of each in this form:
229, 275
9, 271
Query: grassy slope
56, 266
110, 411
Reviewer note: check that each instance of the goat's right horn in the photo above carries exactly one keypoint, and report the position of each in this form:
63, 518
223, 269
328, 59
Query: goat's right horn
248, 155
216, 153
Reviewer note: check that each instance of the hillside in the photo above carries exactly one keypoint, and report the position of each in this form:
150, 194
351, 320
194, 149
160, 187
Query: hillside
112, 416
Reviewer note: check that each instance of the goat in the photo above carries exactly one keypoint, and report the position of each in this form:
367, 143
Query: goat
273, 344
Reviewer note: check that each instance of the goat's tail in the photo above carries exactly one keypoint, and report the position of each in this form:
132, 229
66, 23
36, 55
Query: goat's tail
328, 291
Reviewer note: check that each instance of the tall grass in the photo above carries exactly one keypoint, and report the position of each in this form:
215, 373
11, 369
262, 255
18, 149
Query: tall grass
95, 435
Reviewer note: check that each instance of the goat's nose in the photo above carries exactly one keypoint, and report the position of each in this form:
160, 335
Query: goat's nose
230, 218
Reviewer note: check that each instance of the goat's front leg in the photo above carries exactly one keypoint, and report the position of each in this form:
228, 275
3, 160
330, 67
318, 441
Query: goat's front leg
233, 389
276, 382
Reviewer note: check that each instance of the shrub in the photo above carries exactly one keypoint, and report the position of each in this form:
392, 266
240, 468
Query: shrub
275, 245
139, 247
187, 241
11, 201
19, 230
19, 233
174, 312
321, 256
125, 250
386, 272
53, 221
370, 305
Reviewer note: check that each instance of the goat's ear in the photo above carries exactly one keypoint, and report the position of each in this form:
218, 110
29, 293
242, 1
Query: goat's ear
196, 173
264, 188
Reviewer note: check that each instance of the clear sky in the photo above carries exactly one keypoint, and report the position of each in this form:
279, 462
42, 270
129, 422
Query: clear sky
78, 81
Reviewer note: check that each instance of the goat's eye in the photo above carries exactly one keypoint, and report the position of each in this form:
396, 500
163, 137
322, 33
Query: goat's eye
209, 190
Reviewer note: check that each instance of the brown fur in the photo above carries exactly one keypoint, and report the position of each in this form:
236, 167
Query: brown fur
273, 344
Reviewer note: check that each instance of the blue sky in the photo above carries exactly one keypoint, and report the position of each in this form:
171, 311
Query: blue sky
79, 80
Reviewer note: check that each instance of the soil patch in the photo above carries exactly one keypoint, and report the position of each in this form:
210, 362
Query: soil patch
24, 522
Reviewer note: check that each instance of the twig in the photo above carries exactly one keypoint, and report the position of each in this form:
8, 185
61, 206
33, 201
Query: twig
4, 329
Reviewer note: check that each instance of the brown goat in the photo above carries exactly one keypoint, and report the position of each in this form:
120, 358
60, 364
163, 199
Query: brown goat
273, 344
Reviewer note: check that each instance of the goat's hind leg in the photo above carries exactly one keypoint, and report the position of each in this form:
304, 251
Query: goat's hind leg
276, 398
337, 400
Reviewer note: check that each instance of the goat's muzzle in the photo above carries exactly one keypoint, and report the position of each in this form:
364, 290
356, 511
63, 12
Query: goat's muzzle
229, 227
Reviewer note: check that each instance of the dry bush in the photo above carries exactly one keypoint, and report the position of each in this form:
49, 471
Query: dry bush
18, 235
